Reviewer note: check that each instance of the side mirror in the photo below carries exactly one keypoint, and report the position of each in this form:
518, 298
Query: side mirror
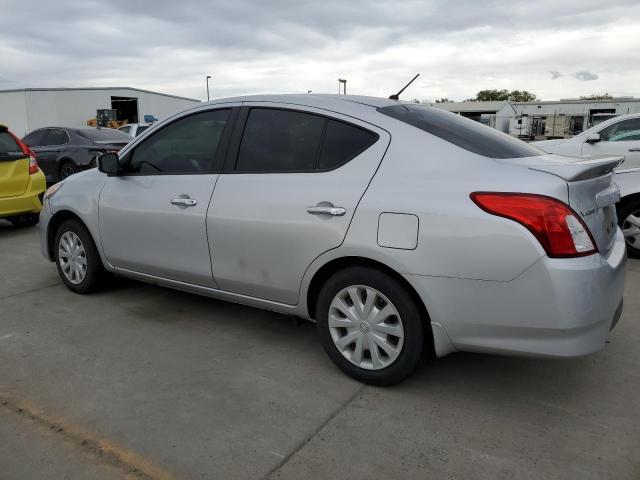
108, 163
593, 138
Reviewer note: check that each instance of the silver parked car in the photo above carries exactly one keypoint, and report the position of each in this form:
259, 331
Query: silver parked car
402, 230
617, 136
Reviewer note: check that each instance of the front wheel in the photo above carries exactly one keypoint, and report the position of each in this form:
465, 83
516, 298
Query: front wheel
370, 326
79, 264
629, 219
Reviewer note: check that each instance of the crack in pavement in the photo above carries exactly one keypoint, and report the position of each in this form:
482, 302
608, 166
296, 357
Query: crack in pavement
30, 291
133, 465
310, 437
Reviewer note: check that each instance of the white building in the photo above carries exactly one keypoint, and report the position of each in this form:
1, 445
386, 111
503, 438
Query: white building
494, 114
572, 116
26, 109
552, 119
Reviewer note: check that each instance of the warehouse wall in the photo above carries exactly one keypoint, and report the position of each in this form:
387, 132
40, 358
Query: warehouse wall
13, 112
72, 108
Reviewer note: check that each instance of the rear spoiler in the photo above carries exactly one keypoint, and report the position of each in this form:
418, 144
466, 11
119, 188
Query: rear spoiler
580, 170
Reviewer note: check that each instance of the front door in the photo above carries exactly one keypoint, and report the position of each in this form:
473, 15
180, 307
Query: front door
152, 218
620, 138
294, 186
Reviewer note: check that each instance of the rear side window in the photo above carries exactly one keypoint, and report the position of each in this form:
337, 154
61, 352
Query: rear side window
290, 141
35, 138
140, 129
280, 141
342, 142
462, 132
125, 129
9, 148
188, 145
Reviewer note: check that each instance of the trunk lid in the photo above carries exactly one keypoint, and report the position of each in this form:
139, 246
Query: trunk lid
591, 190
14, 167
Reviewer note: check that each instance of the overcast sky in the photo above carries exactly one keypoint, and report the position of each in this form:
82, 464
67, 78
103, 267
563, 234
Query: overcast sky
554, 48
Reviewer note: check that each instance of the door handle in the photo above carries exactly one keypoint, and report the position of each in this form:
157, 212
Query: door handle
636, 149
326, 210
184, 202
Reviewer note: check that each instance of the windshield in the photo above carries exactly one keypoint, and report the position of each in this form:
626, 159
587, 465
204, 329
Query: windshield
104, 134
462, 132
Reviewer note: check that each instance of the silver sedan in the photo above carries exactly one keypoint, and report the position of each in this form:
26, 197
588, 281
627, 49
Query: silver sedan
401, 230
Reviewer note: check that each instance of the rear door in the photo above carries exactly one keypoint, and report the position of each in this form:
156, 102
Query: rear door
291, 185
14, 166
152, 218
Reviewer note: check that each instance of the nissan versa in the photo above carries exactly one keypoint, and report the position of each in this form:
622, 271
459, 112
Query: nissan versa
400, 229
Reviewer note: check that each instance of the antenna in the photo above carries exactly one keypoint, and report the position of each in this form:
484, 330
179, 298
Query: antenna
397, 95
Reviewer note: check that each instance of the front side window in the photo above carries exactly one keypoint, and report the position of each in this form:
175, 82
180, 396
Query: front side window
622, 131
188, 145
125, 129
280, 141
462, 132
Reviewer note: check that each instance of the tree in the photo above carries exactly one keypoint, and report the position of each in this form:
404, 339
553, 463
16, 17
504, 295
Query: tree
503, 95
443, 100
521, 96
597, 96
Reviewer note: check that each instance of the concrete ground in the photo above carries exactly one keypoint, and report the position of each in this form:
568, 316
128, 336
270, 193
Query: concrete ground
144, 382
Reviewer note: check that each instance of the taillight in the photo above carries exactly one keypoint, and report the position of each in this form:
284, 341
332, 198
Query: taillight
559, 229
33, 162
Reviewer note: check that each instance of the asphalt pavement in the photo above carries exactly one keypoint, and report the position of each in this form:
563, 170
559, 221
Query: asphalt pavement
139, 381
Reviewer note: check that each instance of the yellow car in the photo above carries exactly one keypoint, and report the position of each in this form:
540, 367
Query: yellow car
22, 183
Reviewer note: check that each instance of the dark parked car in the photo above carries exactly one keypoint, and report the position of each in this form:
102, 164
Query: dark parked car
61, 152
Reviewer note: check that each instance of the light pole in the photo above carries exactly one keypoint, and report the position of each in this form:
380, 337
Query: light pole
344, 82
208, 77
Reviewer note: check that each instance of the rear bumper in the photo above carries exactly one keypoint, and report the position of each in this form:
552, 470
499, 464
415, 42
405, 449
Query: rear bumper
29, 202
556, 308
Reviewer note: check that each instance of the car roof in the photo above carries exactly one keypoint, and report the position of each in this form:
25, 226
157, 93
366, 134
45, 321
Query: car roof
313, 100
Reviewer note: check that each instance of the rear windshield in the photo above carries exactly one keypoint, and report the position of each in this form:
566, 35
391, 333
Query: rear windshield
104, 134
9, 148
462, 132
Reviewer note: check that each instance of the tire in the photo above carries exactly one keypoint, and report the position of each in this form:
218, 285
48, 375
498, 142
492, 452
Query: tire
69, 233
67, 168
25, 220
370, 283
626, 209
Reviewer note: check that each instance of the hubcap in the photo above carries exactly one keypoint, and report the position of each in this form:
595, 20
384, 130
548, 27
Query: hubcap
366, 327
72, 258
631, 229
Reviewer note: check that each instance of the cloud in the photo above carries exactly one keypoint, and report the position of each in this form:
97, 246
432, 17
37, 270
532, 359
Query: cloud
253, 46
555, 74
585, 76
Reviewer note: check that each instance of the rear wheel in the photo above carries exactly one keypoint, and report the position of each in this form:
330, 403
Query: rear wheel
67, 169
25, 220
629, 219
370, 326
79, 264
